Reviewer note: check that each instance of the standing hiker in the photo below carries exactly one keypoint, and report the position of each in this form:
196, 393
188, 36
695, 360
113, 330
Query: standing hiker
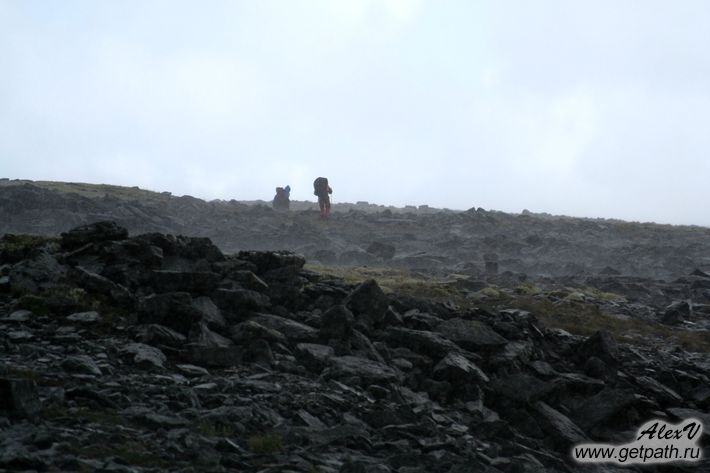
323, 191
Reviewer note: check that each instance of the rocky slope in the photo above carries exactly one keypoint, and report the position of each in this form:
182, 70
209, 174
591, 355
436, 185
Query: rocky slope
153, 352
422, 239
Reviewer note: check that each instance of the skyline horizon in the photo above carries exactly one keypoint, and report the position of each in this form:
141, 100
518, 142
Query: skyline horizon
314, 202
594, 109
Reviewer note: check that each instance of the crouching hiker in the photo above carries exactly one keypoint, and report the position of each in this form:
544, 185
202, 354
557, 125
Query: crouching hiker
282, 199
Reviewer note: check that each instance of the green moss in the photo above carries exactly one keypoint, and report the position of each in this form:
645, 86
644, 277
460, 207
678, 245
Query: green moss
265, 443
587, 318
35, 304
579, 314
527, 290
392, 280
14, 248
488, 293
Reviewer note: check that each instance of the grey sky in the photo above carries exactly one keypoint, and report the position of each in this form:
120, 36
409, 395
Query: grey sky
585, 108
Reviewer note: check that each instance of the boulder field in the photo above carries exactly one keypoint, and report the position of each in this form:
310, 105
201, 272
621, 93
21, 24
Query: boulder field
152, 352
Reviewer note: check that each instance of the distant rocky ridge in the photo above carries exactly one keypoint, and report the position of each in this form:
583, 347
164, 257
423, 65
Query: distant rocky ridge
126, 352
417, 238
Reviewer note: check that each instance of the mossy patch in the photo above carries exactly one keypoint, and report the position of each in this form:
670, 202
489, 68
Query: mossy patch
392, 280
14, 248
265, 443
587, 318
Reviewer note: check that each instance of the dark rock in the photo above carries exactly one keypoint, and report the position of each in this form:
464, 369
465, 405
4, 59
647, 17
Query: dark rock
381, 250
464, 377
154, 334
664, 394
596, 368
428, 343
521, 388
292, 330
351, 434
213, 356
85, 317
172, 309
559, 427
701, 396
313, 356
194, 282
97, 284
39, 273
211, 349
145, 356
81, 364
259, 352
362, 346
457, 369
201, 334
249, 280
209, 313
420, 320
93, 233
368, 304
576, 383
4, 284
470, 334
367, 371
238, 303
21, 315
677, 312
19, 398
601, 345
336, 323
245, 332
192, 371
602, 407
699, 273
270, 260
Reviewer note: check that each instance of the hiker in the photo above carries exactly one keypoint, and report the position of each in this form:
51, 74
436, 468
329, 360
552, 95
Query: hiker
282, 199
322, 190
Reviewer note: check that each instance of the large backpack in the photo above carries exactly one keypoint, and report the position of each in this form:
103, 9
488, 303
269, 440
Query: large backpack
320, 186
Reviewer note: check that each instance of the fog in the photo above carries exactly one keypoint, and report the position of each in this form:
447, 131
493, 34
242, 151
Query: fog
589, 108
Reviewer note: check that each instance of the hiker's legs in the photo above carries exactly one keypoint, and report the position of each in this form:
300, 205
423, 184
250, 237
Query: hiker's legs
327, 207
321, 204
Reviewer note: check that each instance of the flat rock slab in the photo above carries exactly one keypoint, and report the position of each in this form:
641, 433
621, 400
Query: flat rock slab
314, 356
192, 371
457, 369
470, 334
19, 316
85, 317
80, 364
564, 432
145, 356
368, 371
422, 342
660, 391
292, 330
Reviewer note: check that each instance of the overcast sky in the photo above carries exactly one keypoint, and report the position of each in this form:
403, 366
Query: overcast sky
595, 108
